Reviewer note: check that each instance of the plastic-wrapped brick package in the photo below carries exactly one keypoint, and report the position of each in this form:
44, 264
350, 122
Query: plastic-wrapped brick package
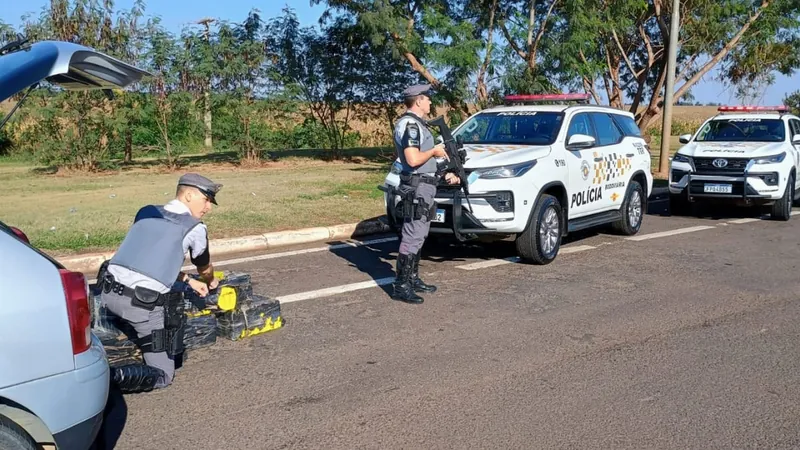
234, 290
200, 329
119, 349
259, 315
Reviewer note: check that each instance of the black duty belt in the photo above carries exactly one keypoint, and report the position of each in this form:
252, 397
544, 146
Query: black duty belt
112, 285
416, 178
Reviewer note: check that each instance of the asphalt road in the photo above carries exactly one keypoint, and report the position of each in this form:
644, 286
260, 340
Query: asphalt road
682, 340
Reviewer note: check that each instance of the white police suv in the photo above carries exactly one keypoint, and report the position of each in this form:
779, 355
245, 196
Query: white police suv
540, 171
745, 154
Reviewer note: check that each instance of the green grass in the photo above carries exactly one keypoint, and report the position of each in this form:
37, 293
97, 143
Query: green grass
65, 213
70, 212
655, 150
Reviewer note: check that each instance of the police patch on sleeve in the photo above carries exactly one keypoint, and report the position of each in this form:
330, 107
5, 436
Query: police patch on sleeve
411, 137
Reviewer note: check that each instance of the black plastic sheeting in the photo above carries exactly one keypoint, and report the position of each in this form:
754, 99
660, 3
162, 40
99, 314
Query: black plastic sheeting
253, 315
260, 315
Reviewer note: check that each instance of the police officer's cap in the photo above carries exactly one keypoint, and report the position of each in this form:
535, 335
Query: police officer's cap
418, 89
206, 186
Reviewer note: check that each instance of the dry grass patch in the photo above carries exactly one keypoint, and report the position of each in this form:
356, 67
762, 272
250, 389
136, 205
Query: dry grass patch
92, 212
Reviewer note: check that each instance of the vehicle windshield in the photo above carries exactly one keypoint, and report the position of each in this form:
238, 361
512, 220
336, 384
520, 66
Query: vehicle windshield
752, 129
512, 127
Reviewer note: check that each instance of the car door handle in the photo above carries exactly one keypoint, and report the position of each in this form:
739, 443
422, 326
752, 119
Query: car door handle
630, 155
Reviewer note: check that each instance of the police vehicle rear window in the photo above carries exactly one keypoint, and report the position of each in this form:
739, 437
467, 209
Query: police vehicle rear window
748, 129
512, 127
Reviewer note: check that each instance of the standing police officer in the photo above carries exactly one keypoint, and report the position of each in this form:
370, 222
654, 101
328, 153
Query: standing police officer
415, 148
143, 283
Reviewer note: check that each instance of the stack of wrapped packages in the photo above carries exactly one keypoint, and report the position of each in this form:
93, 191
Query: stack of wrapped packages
238, 312
231, 311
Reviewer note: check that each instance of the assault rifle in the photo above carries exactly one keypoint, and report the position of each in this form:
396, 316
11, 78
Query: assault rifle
456, 153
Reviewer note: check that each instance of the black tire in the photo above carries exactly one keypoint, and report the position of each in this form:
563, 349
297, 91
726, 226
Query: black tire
795, 202
529, 244
782, 209
13, 437
632, 209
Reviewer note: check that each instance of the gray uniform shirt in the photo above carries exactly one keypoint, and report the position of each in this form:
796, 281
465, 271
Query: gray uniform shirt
196, 241
411, 131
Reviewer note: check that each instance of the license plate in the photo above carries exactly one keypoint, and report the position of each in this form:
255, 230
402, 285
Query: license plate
439, 216
718, 188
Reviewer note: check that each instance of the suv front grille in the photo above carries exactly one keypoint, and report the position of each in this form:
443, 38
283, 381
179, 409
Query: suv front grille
705, 166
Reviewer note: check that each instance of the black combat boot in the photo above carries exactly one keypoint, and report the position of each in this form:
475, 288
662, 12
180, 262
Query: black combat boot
419, 285
403, 289
134, 378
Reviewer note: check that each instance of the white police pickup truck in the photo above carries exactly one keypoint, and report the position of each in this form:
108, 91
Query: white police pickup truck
538, 172
746, 155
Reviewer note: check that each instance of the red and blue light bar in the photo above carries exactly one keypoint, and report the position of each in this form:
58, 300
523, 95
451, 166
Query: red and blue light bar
746, 108
533, 98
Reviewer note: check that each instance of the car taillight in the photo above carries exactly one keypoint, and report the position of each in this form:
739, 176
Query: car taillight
76, 291
20, 234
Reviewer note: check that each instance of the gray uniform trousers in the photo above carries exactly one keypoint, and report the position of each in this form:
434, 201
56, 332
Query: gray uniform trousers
414, 232
144, 322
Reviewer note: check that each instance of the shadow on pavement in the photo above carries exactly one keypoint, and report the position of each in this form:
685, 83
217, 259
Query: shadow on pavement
706, 210
114, 418
375, 259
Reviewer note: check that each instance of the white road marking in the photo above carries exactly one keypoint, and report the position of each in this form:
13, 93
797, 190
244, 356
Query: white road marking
516, 259
575, 249
334, 290
327, 292
661, 234
489, 263
348, 244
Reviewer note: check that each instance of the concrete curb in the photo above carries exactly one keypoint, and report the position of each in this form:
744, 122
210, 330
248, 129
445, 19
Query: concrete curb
90, 263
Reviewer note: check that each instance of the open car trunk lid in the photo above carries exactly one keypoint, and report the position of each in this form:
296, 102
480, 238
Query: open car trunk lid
70, 66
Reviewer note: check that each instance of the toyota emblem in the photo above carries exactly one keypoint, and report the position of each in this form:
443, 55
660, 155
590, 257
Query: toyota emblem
719, 163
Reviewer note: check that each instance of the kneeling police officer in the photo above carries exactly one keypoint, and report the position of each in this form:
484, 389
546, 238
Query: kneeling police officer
420, 174
143, 284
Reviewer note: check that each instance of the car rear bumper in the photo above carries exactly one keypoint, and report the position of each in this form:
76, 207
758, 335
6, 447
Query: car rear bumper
69, 404
80, 436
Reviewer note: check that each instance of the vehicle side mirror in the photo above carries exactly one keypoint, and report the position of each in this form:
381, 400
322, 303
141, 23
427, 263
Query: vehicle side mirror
796, 139
439, 140
579, 141
685, 138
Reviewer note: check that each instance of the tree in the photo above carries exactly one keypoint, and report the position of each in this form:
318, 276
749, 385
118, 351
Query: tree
623, 44
241, 67
432, 36
792, 100
334, 72
86, 130
162, 59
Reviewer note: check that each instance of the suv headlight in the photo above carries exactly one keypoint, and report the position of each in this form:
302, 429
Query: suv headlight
511, 171
681, 158
770, 159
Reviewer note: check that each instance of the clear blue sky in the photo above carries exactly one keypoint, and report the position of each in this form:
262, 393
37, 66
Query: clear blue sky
177, 13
